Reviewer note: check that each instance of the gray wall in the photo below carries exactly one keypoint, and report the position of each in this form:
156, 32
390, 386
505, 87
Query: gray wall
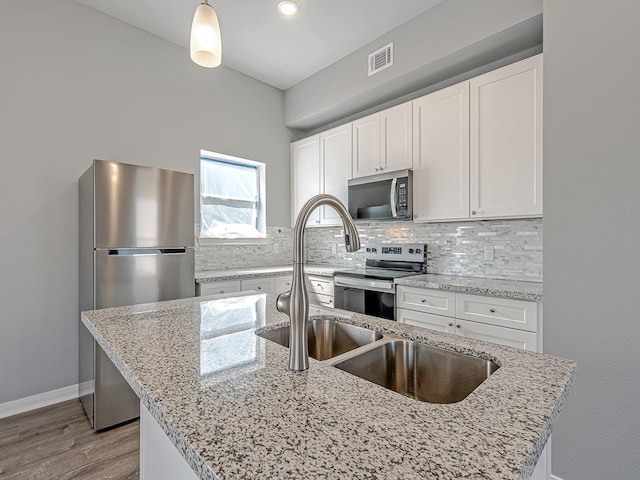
592, 228
453, 37
77, 85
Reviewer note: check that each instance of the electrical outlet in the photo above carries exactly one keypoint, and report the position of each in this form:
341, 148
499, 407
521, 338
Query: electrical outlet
488, 253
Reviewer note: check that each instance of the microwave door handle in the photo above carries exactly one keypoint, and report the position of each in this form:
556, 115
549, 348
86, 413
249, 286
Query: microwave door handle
392, 197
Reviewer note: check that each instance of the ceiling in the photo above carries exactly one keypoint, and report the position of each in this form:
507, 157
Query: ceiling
258, 41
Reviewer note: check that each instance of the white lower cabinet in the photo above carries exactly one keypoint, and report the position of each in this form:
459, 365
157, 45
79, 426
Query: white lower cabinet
283, 283
263, 284
498, 320
159, 458
320, 290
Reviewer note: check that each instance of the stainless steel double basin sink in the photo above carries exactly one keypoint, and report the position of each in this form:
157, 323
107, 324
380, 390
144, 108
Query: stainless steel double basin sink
418, 371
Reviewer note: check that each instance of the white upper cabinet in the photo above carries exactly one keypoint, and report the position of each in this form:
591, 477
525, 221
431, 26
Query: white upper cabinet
382, 141
506, 141
321, 164
335, 159
305, 176
441, 154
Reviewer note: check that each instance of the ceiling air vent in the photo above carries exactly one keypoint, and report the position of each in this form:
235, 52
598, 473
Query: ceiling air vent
381, 59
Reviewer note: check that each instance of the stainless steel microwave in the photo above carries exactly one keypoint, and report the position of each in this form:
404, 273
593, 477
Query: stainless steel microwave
387, 196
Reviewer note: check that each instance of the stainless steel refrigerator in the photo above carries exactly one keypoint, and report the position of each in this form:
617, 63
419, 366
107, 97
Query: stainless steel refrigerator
136, 246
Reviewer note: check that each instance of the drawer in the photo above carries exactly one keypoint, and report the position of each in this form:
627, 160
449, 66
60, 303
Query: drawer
265, 285
502, 312
219, 287
426, 300
500, 335
425, 320
320, 285
283, 283
322, 300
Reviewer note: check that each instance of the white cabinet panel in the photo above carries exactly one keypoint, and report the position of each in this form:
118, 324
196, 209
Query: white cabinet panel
500, 335
305, 176
426, 300
220, 287
395, 138
366, 146
503, 312
320, 290
426, 320
264, 285
335, 159
283, 283
506, 141
441, 154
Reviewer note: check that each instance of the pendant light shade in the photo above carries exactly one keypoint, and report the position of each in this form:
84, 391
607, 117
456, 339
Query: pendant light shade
206, 43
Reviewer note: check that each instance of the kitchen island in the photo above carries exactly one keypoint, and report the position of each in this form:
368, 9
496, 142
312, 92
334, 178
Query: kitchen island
228, 403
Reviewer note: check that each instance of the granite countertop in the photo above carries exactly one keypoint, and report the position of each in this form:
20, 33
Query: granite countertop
229, 404
209, 276
531, 291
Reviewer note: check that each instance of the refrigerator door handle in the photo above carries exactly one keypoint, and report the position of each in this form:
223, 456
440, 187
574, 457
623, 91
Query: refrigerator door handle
146, 251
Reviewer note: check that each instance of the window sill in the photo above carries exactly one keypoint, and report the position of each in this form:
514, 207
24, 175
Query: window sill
208, 241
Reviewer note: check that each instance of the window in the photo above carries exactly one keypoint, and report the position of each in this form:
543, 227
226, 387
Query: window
232, 197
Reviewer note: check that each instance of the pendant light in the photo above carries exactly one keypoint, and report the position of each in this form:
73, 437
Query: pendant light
206, 43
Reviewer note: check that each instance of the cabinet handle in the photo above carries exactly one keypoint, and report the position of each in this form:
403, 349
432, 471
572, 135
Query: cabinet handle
415, 215
458, 326
473, 212
259, 287
492, 310
423, 300
377, 169
381, 168
451, 324
221, 291
317, 221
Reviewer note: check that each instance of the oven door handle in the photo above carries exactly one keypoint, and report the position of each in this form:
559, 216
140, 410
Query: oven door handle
364, 283
392, 198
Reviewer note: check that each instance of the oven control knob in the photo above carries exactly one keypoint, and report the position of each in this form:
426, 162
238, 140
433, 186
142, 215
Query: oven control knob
418, 250
368, 249
374, 250
411, 250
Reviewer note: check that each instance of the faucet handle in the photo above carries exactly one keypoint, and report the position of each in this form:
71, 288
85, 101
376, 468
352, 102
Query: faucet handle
283, 302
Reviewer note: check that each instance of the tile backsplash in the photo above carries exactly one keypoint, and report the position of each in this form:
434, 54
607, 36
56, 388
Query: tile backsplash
501, 249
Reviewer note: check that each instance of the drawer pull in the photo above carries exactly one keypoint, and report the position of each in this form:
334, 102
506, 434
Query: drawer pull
451, 324
423, 300
492, 310
221, 291
458, 326
259, 287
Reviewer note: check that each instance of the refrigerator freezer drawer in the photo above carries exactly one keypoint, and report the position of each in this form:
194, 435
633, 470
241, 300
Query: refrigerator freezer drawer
141, 276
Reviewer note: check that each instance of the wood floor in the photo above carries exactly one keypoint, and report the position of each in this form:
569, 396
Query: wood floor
57, 442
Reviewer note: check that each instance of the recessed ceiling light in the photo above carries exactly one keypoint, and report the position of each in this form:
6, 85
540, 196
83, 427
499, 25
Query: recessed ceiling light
287, 7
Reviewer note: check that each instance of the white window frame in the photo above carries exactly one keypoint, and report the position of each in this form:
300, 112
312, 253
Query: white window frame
262, 201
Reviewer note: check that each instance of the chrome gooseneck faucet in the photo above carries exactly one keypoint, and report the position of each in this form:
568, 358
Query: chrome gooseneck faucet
295, 302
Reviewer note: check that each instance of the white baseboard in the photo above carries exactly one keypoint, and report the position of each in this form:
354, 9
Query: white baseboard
38, 401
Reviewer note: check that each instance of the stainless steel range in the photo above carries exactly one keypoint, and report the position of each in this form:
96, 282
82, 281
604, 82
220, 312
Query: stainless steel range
371, 290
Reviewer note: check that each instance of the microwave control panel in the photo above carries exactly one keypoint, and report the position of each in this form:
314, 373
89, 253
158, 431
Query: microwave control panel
403, 204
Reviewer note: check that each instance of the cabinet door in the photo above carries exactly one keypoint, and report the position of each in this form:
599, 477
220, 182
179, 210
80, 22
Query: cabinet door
500, 335
506, 141
395, 138
264, 285
426, 320
441, 154
305, 176
366, 146
335, 160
